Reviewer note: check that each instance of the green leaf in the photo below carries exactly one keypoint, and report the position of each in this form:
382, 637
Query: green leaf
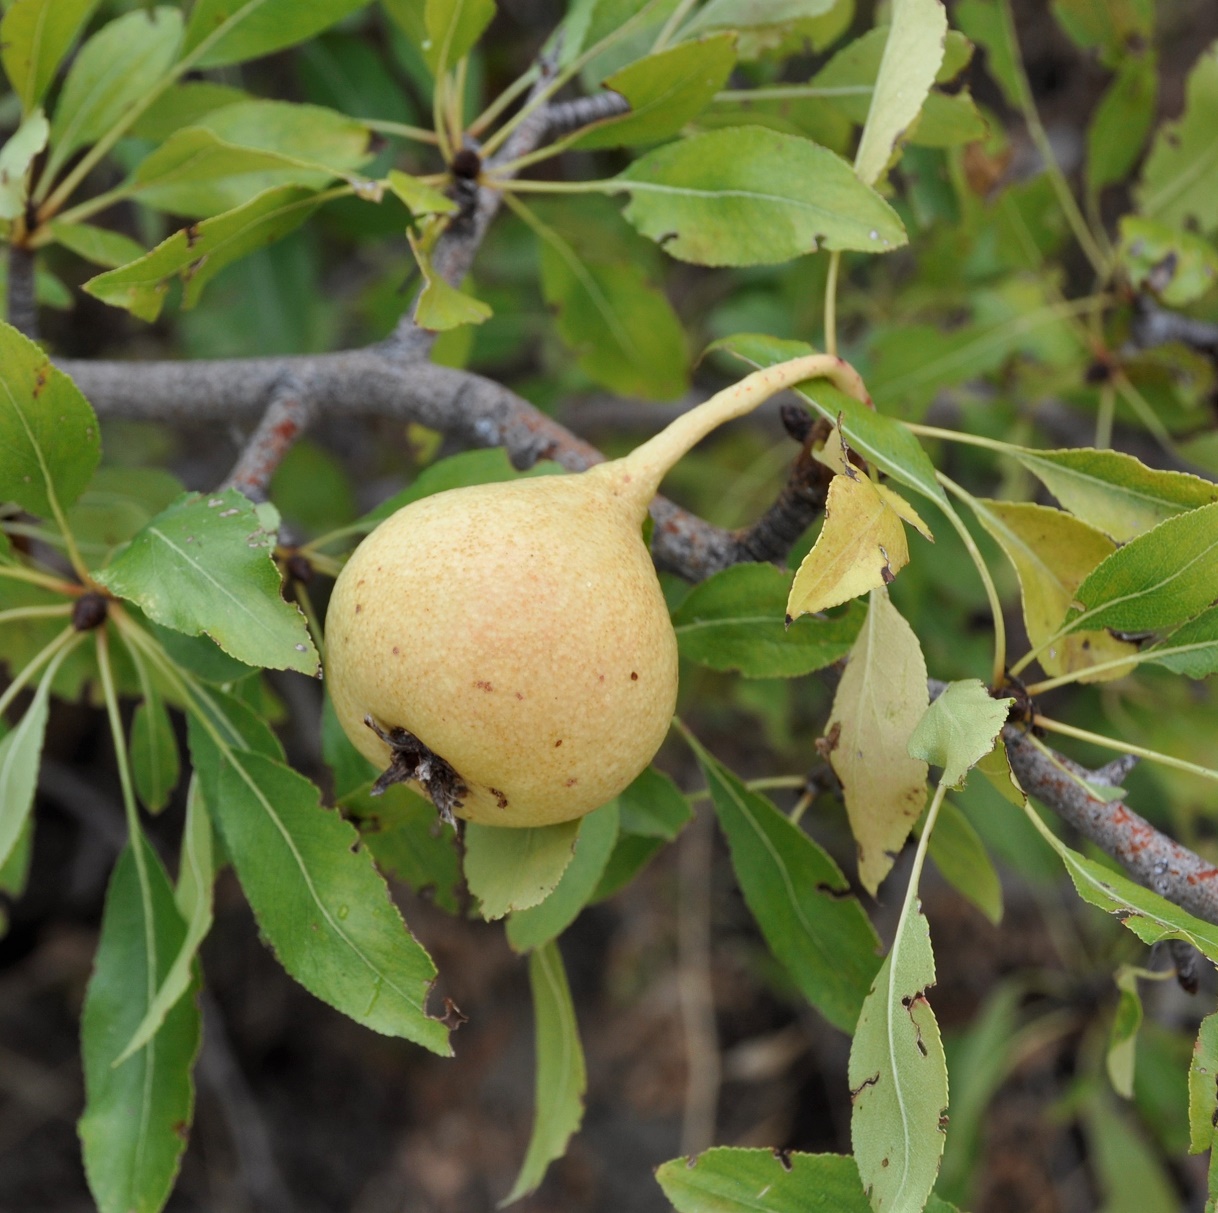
1122, 121
408, 841
1203, 1086
231, 31
962, 860
234, 153
513, 869
798, 896
653, 807
48, 432
1162, 577
16, 156
441, 307
751, 196
35, 35
193, 898
319, 901
665, 92
898, 1077
879, 701
137, 1114
1123, 1033
988, 23
753, 14
97, 244
1053, 553
736, 1180
1150, 917
453, 27
154, 753
419, 197
1191, 650
20, 758
735, 620
198, 252
1112, 28
912, 55
119, 502
184, 105
631, 855
558, 1092
623, 330
1180, 178
183, 568
959, 729
1176, 265
116, 69
879, 439
1130, 1175
532, 928
15, 870
1113, 491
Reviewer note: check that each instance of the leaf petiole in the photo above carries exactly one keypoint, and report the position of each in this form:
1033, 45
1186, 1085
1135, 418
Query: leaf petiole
1125, 747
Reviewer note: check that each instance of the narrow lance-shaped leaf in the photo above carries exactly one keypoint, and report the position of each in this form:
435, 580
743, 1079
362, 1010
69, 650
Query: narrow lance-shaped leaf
231, 31
735, 620
181, 570
1162, 577
751, 196
49, 445
912, 55
898, 1076
513, 869
958, 852
35, 35
561, 1078
1123, 1034
193, 897
1113, 491
155, 764
1191, 650
137, 1112
115, 69
16, 156
798, 896
735, 1180
879, 701
197, 253
20, 758
318, 899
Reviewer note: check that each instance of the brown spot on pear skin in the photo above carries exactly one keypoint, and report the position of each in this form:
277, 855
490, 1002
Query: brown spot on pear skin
572, 782
558, 743
396, 650
483, 685
500, 798
359, 606
633, 676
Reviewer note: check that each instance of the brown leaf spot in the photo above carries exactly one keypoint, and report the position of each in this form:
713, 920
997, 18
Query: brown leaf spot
784, 1157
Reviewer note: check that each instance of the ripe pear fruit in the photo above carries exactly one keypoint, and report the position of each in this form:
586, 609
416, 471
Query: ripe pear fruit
508, 645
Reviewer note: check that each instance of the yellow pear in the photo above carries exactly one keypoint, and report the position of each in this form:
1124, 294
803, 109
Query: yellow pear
508, 645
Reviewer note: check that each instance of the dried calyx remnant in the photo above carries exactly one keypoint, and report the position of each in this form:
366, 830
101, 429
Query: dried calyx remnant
411, 759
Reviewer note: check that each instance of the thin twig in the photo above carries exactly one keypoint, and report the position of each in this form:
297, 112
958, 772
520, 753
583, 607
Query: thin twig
1149, 855
21, 301
286, 418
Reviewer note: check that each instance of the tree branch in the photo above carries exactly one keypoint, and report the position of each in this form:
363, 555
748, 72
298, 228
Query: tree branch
1154, 325
1149, 855
21, 301
285, 419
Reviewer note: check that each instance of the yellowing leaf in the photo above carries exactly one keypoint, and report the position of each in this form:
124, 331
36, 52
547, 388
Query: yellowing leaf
879, 701
442, 307
905, 510
860, 547
1052, 553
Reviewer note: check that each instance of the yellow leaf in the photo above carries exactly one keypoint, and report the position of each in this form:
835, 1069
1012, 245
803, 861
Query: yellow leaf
1052, 553
860, 547
881, 697
905, 510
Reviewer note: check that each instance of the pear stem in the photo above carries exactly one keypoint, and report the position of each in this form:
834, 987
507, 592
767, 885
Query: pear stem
637, 476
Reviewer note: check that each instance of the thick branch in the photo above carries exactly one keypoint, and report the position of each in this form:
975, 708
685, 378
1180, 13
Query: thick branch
1154, 325
1159, 862
475, 410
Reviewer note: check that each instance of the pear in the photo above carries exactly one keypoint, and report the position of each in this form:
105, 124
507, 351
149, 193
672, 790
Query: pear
508, 645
